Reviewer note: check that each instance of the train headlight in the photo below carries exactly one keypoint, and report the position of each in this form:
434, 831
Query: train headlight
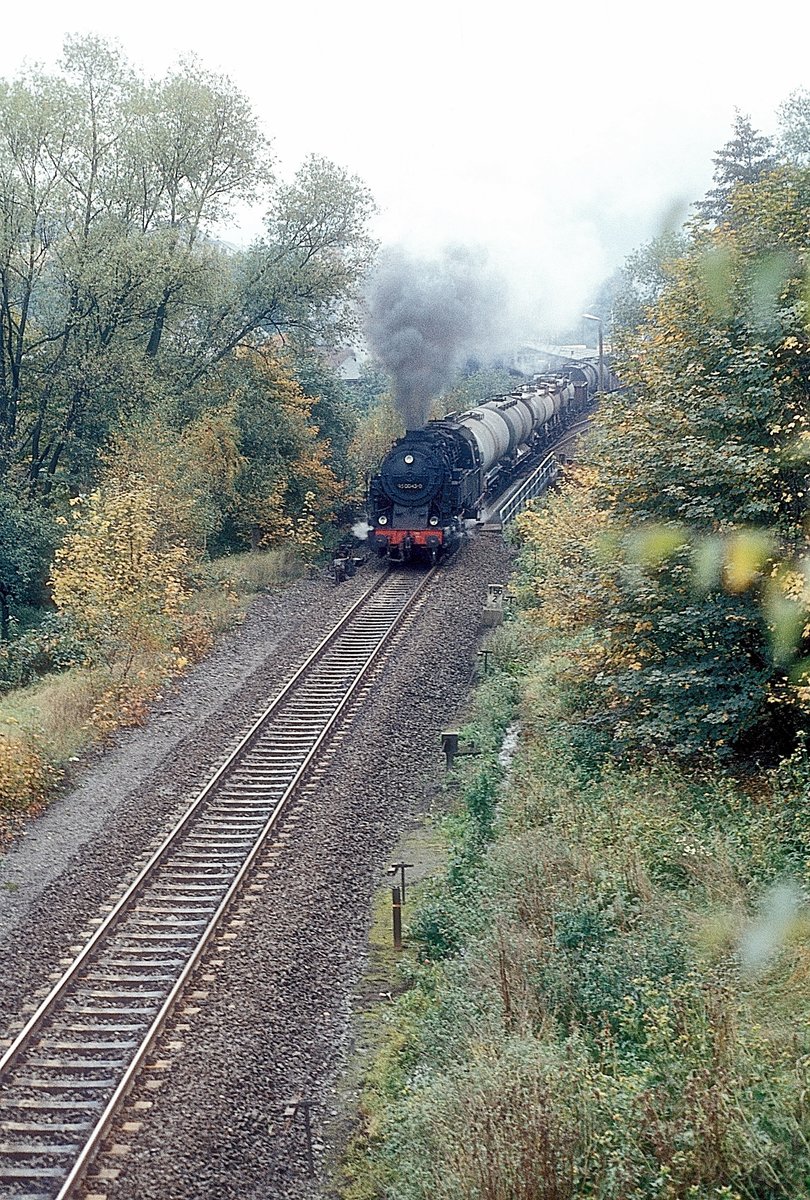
434, 520
383, 520
409, 459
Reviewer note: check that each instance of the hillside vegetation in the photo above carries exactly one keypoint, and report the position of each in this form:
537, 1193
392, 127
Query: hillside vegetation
606, 994
165, 399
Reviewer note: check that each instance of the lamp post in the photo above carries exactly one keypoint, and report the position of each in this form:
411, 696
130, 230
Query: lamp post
591, 317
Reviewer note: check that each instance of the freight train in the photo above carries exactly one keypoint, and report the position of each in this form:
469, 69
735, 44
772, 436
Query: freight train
434, 480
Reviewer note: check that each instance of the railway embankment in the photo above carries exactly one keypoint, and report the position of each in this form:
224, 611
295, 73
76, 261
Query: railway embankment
75, 855
268, 1018
605, 987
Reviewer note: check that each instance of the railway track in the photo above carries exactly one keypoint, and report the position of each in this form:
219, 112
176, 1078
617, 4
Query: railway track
67, 1073
573, 432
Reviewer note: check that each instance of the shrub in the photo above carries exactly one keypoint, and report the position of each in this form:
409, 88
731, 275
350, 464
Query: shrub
499, 1128
124, 589
437, 929
25, 775
52, 646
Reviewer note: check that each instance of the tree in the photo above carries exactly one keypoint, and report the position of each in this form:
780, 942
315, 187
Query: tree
704, 445
124, 590
32, 148
302, 280
192, 473
110, 190
375, 435
284, 464
27, 539
476, 387
366, 392
744, 159
86, 256
793, 116
203, 142
332, 412
640, 281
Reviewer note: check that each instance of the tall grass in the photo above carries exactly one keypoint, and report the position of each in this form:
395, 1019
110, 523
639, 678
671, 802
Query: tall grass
256, 570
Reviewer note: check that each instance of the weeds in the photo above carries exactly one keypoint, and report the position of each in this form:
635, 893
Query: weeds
581, 1021
255, 571
25, 774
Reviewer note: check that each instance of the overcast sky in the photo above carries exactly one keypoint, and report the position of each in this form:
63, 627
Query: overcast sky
560, 137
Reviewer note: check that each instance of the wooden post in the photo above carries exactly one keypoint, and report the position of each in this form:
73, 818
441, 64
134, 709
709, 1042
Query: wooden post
396, 912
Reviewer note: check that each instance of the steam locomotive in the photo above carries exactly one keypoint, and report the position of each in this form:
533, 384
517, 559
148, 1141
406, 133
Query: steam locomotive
435, 479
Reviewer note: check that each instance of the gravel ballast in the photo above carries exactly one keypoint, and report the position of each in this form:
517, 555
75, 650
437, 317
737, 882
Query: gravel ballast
270, 1014
74, 857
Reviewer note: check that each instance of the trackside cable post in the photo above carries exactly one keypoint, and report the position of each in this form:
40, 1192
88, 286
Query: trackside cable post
396, 912
450, 746
452, 750
402, 868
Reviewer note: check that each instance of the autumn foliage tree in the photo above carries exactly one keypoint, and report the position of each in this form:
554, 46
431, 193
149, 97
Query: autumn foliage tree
706, 451
693, 604
122, 585
376, 431
191, 471
284, 480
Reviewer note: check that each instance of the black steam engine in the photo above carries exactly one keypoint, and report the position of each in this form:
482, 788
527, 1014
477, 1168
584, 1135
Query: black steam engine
434, 479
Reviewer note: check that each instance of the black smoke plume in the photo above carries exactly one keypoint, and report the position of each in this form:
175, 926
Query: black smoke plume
426, 316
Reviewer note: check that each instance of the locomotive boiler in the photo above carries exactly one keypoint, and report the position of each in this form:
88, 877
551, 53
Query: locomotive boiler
435, 479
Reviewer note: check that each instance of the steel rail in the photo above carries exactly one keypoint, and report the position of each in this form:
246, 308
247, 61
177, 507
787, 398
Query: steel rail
125, 900
94, 1136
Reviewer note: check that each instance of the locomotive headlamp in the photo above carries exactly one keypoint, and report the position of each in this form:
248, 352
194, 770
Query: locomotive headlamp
409, 459
434, 520
383, 520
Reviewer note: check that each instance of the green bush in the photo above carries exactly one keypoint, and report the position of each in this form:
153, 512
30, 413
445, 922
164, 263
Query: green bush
50, 646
